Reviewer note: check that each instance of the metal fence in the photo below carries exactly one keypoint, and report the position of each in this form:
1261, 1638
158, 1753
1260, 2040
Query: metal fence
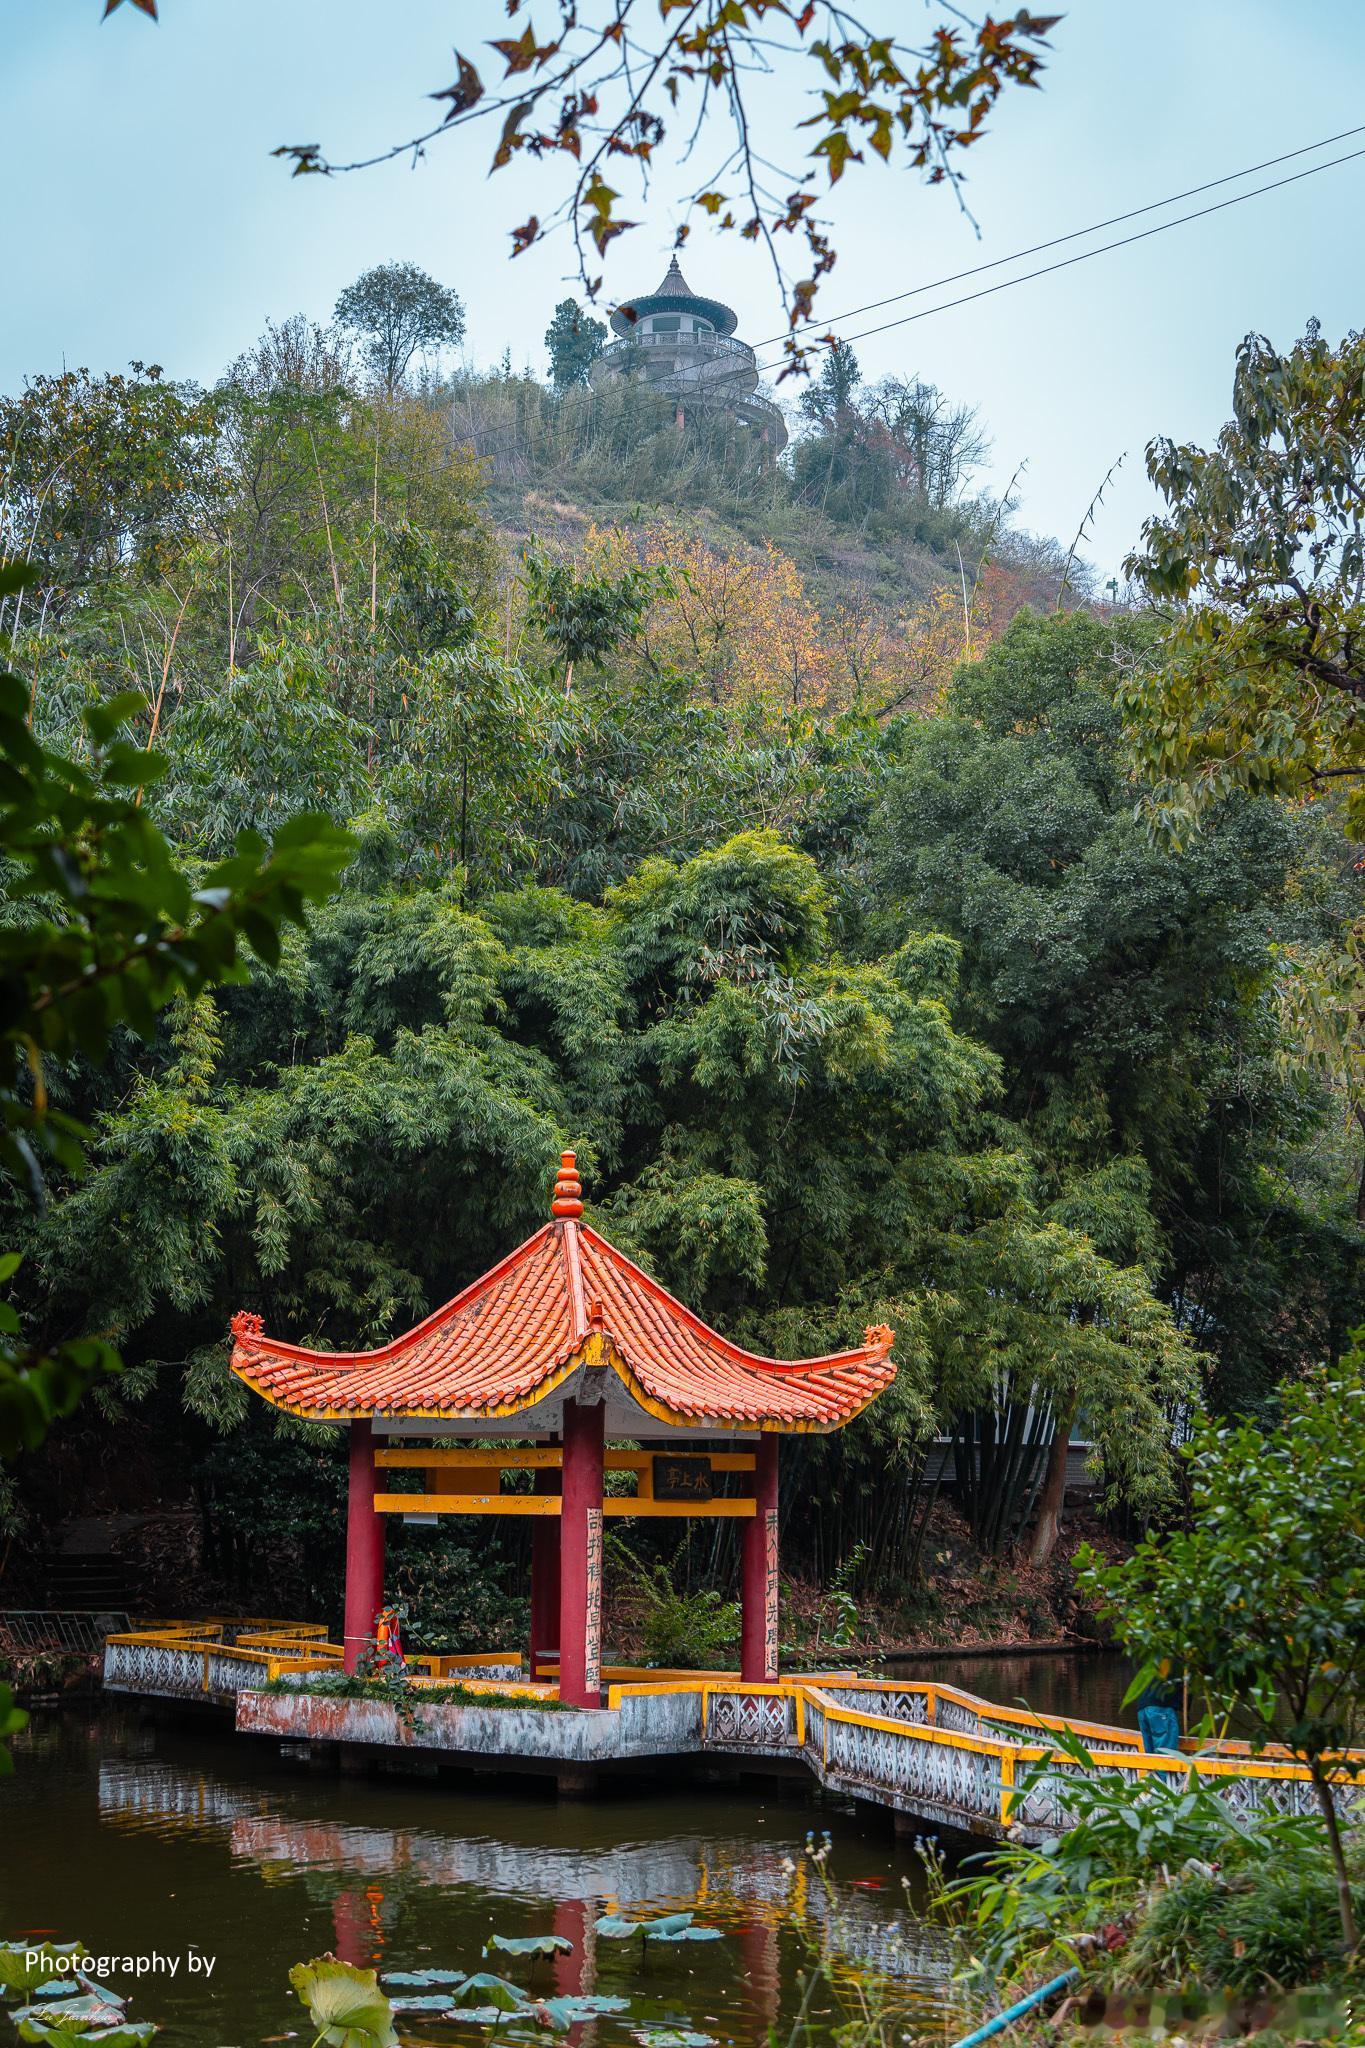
59, 1628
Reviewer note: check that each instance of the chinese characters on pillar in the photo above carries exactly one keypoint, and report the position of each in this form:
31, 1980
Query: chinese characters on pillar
770, 1593
592, 1641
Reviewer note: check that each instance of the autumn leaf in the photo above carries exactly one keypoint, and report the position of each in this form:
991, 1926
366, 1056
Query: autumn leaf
465, 93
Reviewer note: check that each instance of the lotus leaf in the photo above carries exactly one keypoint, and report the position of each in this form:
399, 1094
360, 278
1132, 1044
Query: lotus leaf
80, 2008
668, 1927
529, 1944
75, 2034
423, 1977
345, 2005
18, 1974
671, 2037
564, 2012
485, 1989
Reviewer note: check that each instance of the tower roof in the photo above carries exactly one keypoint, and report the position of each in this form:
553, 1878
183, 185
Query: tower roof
563, 1301
674, 295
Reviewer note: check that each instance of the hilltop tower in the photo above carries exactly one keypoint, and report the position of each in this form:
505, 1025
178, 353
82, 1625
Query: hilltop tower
685, 346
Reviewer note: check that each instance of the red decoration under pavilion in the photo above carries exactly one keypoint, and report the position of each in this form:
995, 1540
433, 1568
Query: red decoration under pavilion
570, 1345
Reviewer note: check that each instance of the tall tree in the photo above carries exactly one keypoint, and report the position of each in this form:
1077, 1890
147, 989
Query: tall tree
1128, 990
575, 340
399, 310
1258, 566
103, 476
830, 394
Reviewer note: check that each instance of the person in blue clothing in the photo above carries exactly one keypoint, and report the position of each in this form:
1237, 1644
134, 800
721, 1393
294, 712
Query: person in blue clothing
1159, 1711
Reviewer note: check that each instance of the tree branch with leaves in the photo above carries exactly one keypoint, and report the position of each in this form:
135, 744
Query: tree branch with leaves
605, 86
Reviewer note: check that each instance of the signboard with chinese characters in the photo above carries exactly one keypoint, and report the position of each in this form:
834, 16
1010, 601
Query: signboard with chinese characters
678, 1478
592, 1642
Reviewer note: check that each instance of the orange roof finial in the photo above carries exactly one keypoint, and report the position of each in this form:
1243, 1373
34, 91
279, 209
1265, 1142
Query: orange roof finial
568, 1198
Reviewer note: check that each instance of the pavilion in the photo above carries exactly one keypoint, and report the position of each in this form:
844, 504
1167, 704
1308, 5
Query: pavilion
565, 1344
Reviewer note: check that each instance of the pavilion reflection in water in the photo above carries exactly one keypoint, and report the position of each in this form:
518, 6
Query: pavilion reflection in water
740, 1886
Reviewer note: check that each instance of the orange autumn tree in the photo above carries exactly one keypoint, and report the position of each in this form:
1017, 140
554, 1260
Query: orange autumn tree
740, 623
885, 663
736, 619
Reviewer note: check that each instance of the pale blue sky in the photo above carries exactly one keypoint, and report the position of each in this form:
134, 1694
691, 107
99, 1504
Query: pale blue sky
157, 226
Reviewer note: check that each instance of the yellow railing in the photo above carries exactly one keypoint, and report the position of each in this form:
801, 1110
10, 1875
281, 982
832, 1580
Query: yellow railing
1001, 1733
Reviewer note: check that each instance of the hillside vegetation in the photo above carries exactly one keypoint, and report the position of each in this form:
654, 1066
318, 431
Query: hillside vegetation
700, 821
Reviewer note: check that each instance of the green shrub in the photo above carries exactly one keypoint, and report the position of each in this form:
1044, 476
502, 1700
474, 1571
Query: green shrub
690, 1631
1256, 1929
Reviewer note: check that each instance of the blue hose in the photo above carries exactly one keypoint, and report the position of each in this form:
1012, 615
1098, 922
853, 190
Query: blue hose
1016, 2012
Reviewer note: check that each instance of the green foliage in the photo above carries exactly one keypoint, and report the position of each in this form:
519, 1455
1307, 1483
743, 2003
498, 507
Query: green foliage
105, 478
682, 1631
897, 452
1038, 1908
574, 341
822, 1126
1127, 991
1260, 559
458, 1598
1261, 1599
104, 929
398, 310
586, 615
1254, 1927
391, 1688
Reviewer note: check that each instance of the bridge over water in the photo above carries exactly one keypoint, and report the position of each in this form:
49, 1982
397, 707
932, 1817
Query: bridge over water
929, 1753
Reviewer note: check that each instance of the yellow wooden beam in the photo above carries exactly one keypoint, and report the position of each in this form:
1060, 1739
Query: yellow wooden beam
549, 1504
631, 1504
548, 1457
536, 1457
640, 1461
467, 1503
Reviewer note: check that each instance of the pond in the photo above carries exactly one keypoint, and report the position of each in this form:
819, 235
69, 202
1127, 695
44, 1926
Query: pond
151, 1839
1087, 1684
147, 1837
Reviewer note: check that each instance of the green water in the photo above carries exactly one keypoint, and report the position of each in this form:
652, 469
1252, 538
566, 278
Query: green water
142, 1837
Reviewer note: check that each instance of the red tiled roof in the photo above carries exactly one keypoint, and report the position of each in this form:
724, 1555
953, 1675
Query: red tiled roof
513, 1335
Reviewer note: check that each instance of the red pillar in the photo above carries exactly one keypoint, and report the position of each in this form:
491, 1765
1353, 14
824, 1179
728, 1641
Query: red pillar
544, 1574
580, 1557
364, 1546
758, 1571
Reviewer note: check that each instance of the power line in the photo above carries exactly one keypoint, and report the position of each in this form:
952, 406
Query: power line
1058, 241
1066, 262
